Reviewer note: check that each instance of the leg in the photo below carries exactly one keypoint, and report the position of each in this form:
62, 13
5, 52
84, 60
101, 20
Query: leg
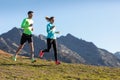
55, 52
19, 49
30, 41
32, 50
49, 43
22, 42
55, 49
17, 52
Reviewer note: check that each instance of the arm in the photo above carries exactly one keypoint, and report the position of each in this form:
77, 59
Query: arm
25, 24
57, 32
49, 28
52, 27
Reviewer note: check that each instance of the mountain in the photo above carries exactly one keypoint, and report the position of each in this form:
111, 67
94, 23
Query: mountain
89, 51
117, 54
10, 41
70, 49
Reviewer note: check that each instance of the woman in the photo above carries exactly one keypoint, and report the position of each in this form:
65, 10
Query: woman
51, 39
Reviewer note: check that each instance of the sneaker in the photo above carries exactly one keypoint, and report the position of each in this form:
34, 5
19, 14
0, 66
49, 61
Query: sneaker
14, 58
33, 60
57, 62
41, 54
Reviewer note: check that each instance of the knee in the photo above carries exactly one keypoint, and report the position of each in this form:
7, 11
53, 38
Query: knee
21, 47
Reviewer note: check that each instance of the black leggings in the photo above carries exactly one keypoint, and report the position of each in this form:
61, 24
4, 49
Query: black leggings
51, 42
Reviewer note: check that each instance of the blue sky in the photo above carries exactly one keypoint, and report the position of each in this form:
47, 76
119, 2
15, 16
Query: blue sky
96, 21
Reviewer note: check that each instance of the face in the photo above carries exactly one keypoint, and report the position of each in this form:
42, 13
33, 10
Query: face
30, 15
52, 20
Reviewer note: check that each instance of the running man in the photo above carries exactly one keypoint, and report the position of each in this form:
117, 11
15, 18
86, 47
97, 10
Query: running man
27, 26
51, 39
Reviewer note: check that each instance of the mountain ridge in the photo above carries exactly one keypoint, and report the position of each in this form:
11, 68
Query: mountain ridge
70, 49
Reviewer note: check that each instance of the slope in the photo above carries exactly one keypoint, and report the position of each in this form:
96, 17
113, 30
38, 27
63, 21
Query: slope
22, 69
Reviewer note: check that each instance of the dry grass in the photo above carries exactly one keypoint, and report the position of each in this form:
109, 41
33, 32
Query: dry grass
23, 69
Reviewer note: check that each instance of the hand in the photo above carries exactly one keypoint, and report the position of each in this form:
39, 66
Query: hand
52, 27
31, 25
32, 29
57, 32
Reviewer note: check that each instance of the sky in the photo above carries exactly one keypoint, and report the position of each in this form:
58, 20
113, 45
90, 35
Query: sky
96, 21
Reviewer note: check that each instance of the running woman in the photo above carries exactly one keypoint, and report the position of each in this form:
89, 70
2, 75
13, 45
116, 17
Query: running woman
51, 39
27, 26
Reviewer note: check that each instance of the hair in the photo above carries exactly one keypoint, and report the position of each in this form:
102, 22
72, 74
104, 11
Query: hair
29, 12
48, 19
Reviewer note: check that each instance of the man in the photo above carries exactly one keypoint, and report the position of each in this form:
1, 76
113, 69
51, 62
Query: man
27, 26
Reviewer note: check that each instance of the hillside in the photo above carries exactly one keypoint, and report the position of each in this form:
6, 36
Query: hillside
89, 51
9, 42
117, 54
23, 69
70, 49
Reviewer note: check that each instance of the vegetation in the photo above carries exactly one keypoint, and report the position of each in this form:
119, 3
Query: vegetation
23, 69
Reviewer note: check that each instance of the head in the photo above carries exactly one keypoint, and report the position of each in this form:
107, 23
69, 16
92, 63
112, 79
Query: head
51, 19
30, 14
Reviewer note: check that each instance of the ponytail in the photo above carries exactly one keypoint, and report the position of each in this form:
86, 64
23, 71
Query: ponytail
48, 19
